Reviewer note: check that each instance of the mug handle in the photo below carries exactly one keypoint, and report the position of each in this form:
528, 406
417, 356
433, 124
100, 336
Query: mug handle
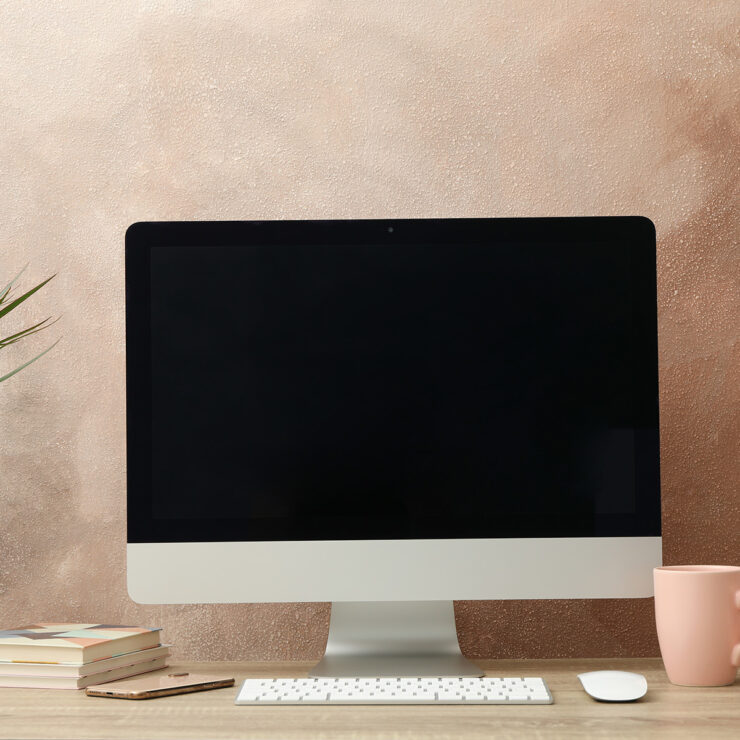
735, 659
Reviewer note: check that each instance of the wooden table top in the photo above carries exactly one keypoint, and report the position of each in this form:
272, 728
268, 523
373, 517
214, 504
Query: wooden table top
666, 711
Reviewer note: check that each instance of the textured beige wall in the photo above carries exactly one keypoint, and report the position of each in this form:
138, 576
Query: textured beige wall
114, 112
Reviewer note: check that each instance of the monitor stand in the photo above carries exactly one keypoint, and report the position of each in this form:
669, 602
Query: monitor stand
392, 639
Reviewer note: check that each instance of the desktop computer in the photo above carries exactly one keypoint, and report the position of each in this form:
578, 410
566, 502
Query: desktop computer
389, 415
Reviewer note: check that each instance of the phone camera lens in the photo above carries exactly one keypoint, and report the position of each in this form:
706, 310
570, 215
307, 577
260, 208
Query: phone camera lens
390, 229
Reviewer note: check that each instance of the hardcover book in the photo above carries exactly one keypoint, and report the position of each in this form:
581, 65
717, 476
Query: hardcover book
73, 643
80, 670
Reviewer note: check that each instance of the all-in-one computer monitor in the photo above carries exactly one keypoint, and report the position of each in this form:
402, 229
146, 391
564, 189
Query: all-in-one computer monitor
389, 415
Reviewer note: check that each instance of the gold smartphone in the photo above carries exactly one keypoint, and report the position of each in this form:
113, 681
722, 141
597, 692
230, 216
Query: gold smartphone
150, 687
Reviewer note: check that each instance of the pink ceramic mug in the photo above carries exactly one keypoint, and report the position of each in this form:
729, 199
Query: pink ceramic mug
697, 612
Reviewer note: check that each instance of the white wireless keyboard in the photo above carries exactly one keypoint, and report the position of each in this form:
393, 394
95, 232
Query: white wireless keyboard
272, 691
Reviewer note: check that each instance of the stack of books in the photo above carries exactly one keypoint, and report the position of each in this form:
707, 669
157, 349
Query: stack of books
73, 656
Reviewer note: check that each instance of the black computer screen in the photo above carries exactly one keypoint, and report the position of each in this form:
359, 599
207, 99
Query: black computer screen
377, 389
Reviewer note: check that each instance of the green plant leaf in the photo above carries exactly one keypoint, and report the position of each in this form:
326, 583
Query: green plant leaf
5, 290
13, 338
20, 299
26, 364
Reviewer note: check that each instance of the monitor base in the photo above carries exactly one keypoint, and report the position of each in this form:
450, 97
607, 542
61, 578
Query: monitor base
381, 639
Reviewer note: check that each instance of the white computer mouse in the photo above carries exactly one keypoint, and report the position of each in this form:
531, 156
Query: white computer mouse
614, 685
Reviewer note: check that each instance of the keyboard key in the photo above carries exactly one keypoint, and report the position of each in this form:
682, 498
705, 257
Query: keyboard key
315, 696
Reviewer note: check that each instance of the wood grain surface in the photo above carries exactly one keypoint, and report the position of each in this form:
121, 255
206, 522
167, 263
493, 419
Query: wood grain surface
666, 711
